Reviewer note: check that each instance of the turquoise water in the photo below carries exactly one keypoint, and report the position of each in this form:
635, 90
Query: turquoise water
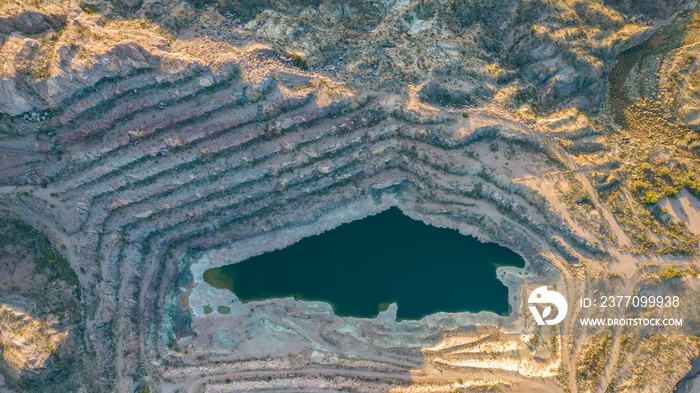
362, 266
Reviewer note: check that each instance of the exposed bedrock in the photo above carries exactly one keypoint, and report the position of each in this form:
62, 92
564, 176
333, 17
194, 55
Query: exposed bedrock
30, 22
153, 155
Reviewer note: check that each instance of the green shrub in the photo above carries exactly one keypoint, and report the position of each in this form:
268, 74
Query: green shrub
671, 273
670, 191
637, 186
651, 198
299, 61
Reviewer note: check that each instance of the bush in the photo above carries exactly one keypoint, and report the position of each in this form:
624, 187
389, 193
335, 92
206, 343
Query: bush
465, 114
637, 186
299, 61
651, 198
670, 191
671, 273
646, 167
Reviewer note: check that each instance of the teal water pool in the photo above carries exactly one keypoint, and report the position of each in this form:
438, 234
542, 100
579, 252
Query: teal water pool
362, 266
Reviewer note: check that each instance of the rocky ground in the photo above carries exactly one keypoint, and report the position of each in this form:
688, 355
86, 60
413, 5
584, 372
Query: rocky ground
152, 140
40, 325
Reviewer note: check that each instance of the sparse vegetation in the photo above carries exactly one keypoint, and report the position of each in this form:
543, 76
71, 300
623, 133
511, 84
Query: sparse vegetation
591, 361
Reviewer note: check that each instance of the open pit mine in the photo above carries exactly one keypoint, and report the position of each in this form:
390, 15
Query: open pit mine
144, 143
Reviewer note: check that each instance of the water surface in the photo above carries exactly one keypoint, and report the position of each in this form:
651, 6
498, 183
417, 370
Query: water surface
362, 266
